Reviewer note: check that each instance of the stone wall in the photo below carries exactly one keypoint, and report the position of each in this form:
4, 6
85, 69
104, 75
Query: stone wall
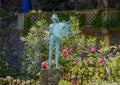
11, 47
12, 5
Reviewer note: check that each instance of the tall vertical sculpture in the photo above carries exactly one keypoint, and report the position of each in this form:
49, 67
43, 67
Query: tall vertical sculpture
57, 31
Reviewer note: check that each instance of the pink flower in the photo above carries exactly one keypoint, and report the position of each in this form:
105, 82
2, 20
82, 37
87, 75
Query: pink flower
79, 58
17, 81
8, 78
53, 62
111, 58
101, 60
44, 64
11, 84
117, 53
65, 52
70, 50
74, 82
111, 54
90, 62
91, 70
97, 71
68, 56
74, 62
119, 46
60, 52
92, 50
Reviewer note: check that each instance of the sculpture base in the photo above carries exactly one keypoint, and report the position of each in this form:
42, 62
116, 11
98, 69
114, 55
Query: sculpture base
49, 77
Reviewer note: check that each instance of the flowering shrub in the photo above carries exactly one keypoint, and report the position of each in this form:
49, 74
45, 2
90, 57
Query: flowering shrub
66, 59
84, 60
36, 44
99, 63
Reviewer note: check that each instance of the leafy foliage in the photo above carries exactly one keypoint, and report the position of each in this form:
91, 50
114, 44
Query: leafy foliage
63, 16
113, 22
109, 23
95, 65
97, 22
36, 48
117, 19
26, 26
81, 20
50, 5
117, 6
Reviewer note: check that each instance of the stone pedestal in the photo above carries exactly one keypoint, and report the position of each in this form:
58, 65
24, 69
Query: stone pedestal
20, 20
49, 77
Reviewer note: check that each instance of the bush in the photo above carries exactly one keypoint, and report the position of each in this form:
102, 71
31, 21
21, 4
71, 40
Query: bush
63, 16
26, 26
81, 20
97, 64
109, 23
97, 22
36, 48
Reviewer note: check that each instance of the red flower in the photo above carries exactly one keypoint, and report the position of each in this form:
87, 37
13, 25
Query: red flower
44, 64
101, 60
92, 50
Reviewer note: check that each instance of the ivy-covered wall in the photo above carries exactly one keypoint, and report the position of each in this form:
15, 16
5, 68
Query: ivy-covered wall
11, 5
11, 48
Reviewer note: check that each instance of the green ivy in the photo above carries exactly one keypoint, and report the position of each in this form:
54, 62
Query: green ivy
97, 22
36, 48
113, 22
118, 19
26, 26
118, 22
81, 20
109, 23
117, 6
63, 16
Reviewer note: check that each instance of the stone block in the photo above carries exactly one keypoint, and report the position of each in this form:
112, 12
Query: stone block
20, 20
49, 77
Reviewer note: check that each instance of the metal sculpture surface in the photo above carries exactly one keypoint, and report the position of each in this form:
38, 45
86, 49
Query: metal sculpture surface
57, 31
